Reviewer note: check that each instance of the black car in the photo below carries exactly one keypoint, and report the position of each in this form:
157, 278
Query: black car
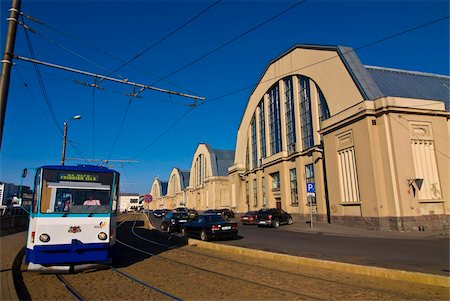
273, 217
160, 212
224, 212
228, 213
209, 226
173, 221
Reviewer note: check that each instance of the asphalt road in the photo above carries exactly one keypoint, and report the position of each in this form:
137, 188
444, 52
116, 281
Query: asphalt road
427, 255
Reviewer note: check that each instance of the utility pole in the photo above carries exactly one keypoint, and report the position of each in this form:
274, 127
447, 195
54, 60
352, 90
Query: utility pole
13, 20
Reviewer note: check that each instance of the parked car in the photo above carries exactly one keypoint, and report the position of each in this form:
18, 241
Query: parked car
209, 226
160, 212
192, 213
228, 213
273, 217
173, 221
249, 218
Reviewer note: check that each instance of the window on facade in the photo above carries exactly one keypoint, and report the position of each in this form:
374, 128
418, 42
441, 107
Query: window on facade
255, 193
200, 170
275, 180
133, 201
274, 120
324, 113
348, 178
305, 113
247, 194
290, 115
262, 128
247, 157
426, 168
294, 191
309, 178
174, 184
264, 196
254, 144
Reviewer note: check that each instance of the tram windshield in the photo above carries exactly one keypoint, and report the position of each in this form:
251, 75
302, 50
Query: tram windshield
76, 192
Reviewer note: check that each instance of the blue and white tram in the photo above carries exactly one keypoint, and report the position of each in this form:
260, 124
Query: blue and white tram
73, 218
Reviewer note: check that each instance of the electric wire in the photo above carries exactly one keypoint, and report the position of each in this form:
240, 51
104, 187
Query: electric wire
209, 100
232, 40
41, 84
69, 50
167, 36
44, 91
102, 51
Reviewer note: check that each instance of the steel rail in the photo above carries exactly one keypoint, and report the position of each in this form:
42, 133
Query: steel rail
77, 295
267, 268
265, 285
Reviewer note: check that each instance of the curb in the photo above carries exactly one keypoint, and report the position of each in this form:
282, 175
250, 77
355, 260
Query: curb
415, 277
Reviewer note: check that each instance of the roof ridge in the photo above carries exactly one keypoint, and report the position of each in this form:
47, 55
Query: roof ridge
406, 71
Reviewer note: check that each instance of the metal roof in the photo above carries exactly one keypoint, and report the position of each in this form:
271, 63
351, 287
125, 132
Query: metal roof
411, 84
184, 178
221, 160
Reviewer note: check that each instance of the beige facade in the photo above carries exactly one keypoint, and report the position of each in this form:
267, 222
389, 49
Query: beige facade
158, 191
208, 184
375, 132
204, 186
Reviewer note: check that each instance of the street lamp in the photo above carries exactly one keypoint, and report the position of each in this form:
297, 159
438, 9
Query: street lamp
63, 156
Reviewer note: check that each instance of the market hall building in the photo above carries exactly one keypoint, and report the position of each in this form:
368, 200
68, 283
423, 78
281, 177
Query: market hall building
374, 141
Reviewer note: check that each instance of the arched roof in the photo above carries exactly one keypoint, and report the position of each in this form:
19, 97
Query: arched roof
161, 186
183, 176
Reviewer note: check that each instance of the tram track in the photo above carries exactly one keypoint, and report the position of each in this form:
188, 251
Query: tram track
228, 277
397, 295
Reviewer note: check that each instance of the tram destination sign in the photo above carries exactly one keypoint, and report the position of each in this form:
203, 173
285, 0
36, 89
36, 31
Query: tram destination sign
79, 177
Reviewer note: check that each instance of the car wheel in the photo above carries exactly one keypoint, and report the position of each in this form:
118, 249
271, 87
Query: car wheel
276, 223
203, 236
289, 221
183, 232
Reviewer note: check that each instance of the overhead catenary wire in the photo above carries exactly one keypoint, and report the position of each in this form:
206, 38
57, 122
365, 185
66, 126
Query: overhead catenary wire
168, 35
280, 76
231, 41
108, 89
102, 51
103, 77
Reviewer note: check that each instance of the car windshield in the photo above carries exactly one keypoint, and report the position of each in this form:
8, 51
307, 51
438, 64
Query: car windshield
215, 218
180, 215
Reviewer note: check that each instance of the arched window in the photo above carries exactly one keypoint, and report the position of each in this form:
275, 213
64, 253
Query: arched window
254, 145
274, 120
290, 114
262, 128
324, 113
305, 113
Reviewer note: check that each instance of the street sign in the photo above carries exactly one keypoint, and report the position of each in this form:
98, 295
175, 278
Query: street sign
148, 198
311, 189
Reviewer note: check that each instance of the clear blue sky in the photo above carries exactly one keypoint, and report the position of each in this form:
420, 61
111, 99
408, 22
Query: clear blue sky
124, 28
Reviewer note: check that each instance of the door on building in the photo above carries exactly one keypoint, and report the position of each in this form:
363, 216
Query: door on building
278, 203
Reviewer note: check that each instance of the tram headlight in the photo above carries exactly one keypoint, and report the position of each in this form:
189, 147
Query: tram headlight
102, 236
44, 237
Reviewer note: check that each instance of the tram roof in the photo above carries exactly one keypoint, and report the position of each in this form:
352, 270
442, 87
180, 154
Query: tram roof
80, 167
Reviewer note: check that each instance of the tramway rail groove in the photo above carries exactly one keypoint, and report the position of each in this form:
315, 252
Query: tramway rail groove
79, 296
234, 278
255, 266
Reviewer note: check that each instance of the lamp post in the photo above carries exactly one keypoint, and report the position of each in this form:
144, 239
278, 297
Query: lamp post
63, 156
